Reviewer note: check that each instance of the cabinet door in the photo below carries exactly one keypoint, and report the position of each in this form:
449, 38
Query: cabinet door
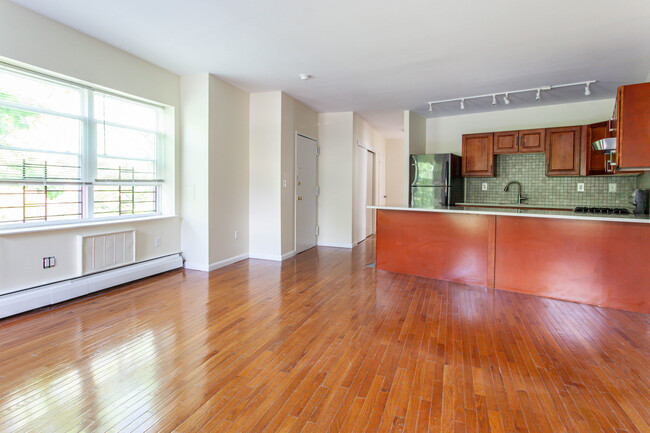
633, 133
563, 151
596, 158
478, 155
532, 141
505, 142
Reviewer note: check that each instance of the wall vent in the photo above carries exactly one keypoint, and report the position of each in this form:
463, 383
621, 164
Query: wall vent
106, 251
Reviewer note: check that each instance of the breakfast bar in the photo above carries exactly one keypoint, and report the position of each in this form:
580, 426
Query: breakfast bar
594, 259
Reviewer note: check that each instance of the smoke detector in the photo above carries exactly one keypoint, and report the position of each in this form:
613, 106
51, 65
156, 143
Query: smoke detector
305, 77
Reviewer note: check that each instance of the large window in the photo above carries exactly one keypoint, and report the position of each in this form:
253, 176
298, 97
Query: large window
69, 152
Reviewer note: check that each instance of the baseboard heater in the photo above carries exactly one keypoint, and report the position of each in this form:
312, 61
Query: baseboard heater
49, 294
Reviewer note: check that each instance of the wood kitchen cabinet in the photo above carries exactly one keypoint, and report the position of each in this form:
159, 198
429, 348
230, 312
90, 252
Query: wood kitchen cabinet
478, 155
563, 151
526, 141
595, 159
632, 117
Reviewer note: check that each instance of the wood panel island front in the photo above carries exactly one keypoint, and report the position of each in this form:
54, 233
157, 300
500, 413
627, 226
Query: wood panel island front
598, 260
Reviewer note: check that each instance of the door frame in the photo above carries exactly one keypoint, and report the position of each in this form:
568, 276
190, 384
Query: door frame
295, 187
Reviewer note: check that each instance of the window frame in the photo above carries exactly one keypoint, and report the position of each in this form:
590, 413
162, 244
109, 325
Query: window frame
88, 155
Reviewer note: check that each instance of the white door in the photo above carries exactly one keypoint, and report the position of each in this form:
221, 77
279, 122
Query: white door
370, 193
361, 188
306, 192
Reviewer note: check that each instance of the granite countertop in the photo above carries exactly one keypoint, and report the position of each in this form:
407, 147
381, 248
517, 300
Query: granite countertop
535, 213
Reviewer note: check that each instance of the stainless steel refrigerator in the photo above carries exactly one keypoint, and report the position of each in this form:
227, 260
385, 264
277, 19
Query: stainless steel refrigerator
436, 180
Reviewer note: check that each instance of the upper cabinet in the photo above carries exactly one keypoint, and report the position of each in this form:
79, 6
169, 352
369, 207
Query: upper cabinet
632, 126
532, 140
526, 141
563, 151
478, 155
595, 163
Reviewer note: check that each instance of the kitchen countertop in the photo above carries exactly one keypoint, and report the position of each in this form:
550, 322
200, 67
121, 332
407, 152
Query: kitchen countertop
534, 213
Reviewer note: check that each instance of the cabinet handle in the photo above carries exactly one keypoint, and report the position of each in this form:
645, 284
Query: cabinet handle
519, 141
491, 171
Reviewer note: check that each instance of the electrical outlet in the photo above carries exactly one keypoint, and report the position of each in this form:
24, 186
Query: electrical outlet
236, 234
581, 187
484, 186
612, 187
156, 242
49, 262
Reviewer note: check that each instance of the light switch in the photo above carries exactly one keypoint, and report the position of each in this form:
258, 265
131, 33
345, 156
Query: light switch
581, 187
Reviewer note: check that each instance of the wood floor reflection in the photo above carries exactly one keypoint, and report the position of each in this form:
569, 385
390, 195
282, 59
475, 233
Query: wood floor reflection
322, 343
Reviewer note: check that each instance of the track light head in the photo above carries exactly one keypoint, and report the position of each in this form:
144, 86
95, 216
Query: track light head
494, 99
506, 99
587, 89
462, 104
539, 95
430, 107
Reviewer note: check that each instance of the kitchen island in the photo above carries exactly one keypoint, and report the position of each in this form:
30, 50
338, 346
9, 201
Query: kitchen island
595, 259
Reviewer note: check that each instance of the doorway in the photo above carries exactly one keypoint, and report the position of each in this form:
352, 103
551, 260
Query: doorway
365, 192
306, 193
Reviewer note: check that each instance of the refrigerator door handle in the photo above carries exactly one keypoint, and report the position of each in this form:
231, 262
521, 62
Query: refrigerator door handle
416, 172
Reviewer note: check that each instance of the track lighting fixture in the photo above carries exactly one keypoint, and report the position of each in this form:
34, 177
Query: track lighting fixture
506, 95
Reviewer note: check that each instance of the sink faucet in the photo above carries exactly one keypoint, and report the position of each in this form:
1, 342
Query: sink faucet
520, 198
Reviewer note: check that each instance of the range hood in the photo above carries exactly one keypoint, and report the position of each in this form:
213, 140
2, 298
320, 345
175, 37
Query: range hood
608, 145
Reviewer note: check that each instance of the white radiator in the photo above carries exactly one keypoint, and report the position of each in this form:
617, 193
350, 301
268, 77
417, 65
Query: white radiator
108, 250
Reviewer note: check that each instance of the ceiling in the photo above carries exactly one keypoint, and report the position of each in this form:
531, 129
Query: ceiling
380, 57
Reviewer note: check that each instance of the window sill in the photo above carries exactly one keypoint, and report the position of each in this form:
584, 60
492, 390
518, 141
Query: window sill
45, 228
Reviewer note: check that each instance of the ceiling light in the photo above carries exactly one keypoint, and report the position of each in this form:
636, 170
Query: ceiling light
506, 94
305, 77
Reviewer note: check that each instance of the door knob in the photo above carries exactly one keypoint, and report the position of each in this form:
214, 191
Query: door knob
299, 197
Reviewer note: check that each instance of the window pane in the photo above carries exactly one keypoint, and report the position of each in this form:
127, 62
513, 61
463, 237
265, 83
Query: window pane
125, 112
39, 203
35, 92
125, 143
124, 200
123, 169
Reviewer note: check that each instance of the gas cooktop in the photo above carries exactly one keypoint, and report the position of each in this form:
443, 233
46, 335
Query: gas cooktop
602, 210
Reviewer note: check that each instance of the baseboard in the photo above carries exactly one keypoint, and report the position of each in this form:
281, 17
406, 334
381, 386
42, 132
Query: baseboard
335, 245
263, 256
49, 294
230, 261
288, 255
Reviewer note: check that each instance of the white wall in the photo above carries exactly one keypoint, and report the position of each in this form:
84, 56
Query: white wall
265, 165
443, 134
33, 40
296, 118
415, 136
194, 169
335, 132
228, 172
395, 172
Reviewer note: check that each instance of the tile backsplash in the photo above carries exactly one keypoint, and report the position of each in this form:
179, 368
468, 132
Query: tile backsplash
528, 169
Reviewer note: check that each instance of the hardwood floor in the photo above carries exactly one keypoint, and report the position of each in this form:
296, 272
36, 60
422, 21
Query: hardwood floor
321, 343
